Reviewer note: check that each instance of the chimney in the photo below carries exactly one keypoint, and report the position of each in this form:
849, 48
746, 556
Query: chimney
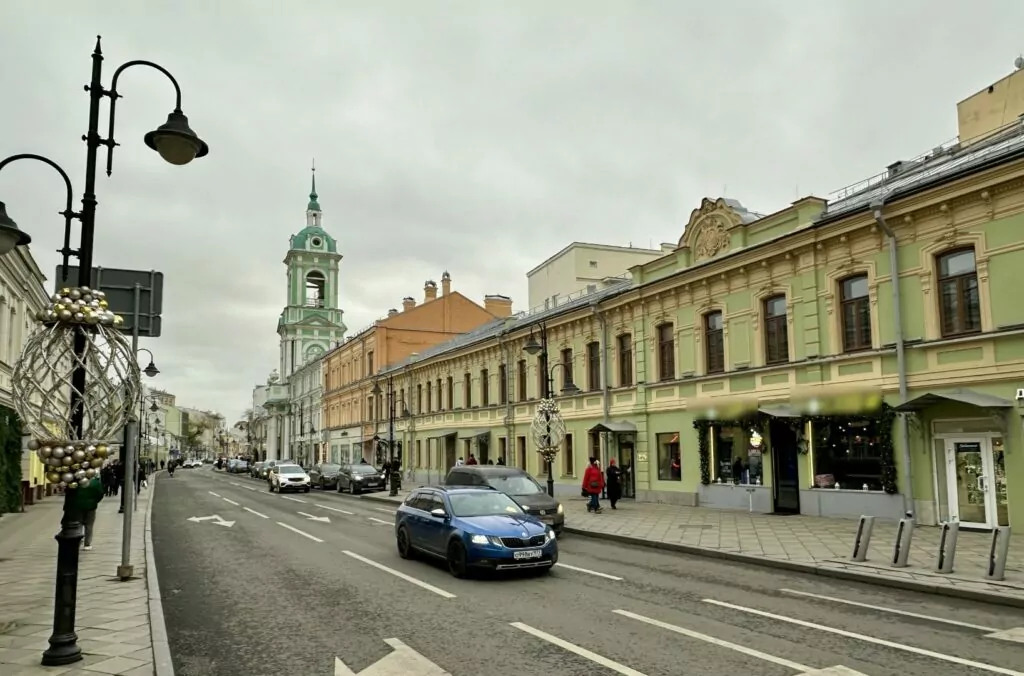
446, 283
392, 312
429, 291
408, 303
499, 306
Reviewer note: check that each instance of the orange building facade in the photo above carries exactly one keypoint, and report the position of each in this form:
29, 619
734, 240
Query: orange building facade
353, 414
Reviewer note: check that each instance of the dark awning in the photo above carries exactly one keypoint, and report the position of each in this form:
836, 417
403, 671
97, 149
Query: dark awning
962, 396
609, 426
779, 411
437, 434
473, 433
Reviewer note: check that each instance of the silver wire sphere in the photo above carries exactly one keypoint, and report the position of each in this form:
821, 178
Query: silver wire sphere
43, 387
548, 428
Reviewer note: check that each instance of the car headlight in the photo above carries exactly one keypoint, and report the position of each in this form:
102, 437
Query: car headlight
357, 478
485, 540
550, 535
561, 510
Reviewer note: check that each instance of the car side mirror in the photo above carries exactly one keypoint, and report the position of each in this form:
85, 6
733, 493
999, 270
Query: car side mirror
439, 513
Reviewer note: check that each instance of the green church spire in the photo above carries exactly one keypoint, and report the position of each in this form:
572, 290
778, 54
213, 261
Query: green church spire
313, 204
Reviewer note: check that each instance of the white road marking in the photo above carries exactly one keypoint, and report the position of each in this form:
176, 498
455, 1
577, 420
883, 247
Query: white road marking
905, 613
322, 519
300, 532
408, 578
334, 509
386, 523
582, 652
253, 511
796, 666
248, 488
404, 661
1016, 635
871, 639
285, 497
385, 510
230, 502
216, 495
588, 571
236, 484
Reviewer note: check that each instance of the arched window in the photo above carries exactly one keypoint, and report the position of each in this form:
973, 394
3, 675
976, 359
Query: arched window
316, 287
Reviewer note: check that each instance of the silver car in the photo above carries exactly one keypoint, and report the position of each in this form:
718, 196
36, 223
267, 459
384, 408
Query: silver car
288, 478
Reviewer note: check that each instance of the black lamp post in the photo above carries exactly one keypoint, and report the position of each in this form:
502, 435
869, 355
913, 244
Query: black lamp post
396, 472
533, 348
177, 144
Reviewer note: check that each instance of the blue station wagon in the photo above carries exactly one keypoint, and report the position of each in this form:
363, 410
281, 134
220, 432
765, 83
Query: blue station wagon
473, 528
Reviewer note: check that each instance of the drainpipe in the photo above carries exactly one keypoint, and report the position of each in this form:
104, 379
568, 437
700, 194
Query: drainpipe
510, 428
595, 307
901, 360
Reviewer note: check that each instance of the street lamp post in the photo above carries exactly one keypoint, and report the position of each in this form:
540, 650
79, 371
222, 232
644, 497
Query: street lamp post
395, 480
533, 348
178, 145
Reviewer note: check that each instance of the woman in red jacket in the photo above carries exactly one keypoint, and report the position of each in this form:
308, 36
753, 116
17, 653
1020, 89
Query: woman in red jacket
593, 483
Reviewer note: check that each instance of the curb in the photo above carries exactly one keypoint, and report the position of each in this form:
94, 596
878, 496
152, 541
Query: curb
808, 568
162, 663
380, 498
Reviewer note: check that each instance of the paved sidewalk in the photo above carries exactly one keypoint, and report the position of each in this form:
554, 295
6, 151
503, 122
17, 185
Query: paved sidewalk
113, 618
809, 544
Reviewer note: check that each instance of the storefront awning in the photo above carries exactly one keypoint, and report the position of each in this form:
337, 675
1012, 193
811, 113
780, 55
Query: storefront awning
610, 426
779, 411
473, 433
438, 434
962, 396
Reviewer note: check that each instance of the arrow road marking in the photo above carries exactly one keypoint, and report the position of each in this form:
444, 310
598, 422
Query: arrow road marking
322, 519
230, 502
404, 660
334, 509
215, 518
300, 532
253, 511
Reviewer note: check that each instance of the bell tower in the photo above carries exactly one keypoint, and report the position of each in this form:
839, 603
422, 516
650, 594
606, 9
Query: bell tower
311, 321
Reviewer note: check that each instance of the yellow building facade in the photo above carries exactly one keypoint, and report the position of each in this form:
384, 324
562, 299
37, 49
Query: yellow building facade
758, 366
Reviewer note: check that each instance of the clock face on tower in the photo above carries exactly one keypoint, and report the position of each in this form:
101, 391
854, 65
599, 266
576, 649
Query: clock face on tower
314, 352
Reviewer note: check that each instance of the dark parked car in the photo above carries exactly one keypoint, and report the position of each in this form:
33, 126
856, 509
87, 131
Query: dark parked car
359, 478
254, 470
516, 484
473, 528
324, 475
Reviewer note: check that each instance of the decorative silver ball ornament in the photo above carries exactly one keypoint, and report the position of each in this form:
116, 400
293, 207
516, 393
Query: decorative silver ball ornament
79, 456
548, 428
58, 453
67, 461
63, 484
74, 294
53, 477
73, 485
33, 444
90, 473
79, 475
67, 477
102, 451
45, 452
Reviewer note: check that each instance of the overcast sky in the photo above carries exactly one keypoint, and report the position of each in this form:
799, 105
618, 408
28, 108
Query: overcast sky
475, 136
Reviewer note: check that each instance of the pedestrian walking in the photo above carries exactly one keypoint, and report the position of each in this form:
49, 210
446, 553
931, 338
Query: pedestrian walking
614, 482
87, 498
593, 483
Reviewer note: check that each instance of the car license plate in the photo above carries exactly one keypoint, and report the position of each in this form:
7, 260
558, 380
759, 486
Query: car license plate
528, 554
547, 519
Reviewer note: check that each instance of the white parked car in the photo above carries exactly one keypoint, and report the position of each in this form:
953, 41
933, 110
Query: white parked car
288, 478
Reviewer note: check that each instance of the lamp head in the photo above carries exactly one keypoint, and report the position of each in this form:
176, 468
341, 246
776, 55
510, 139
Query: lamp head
175, 140
10, 235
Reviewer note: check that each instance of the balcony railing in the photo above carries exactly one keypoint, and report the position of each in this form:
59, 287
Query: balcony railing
314, 302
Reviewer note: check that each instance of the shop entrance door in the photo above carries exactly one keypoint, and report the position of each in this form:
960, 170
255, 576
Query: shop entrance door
627, 463
785, 472
976, 482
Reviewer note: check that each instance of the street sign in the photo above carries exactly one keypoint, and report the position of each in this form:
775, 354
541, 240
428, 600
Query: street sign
119, 285
404, 660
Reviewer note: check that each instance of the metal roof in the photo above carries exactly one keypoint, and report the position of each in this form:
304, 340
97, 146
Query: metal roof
979, 399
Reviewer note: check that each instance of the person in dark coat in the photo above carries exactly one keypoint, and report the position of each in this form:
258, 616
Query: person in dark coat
614, 483
87, 498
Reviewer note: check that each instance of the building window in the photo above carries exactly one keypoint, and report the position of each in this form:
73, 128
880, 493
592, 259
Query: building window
521, 452
669, 465
467, 390
714, 343
502, 384
594, 365
847, 453
594, 445
430, 399
440, 396
369, 364
568, 461
451, 393
521, 377
419, 398
369, 408
737, 453
625, 348
401, 399
776, 332
959, 303
380, 408
503, 450
856, 313
666, 352
485, 388
567, 375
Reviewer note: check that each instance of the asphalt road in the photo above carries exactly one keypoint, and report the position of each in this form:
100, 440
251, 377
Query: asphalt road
280, 592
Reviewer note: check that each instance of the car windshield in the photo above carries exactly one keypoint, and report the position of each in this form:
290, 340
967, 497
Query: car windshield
329, 468
483, 504
515, 484
289, 469
365, 469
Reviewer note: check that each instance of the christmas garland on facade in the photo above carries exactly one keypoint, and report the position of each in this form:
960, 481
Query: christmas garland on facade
884, 418
10, 461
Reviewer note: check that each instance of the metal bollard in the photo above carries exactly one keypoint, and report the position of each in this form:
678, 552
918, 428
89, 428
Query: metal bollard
949, 532
860, 545
997, 553
904, 536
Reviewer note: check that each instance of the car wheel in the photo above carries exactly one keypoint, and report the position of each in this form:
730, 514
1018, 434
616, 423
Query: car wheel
457, 559
353, 490
404, 546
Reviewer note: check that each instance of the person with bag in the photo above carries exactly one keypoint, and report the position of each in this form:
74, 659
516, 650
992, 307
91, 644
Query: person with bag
87, 498
593, 484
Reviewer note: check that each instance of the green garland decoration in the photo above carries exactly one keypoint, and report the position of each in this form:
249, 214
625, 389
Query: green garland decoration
884, 417
10, 461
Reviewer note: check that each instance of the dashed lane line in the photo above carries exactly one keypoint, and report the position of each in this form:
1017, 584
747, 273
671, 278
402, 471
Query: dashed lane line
253, 511
300, 532
402, 576
577, 650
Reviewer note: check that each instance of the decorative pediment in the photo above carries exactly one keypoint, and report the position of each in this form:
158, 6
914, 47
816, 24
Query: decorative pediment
707, 232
